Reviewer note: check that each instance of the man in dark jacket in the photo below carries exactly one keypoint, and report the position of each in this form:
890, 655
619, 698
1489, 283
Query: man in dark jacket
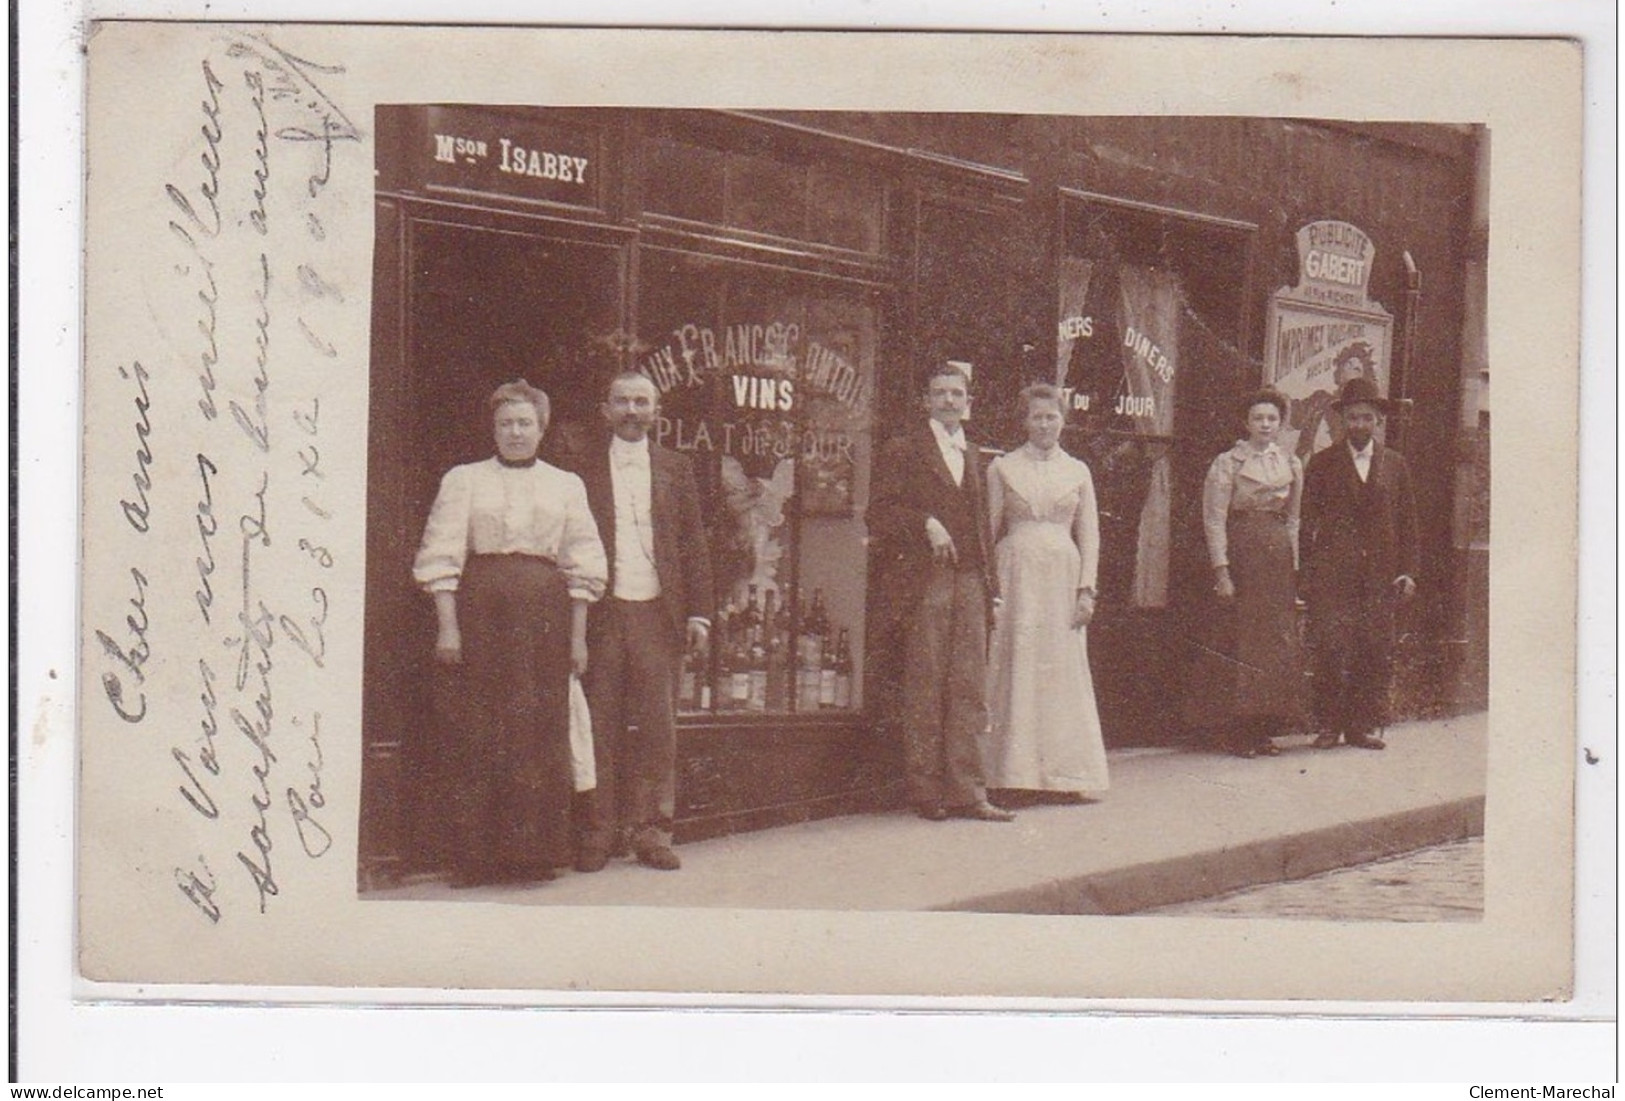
646, 504
1359, 557
928, 518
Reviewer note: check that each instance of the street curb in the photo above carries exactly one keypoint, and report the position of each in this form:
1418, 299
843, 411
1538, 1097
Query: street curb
1200, 875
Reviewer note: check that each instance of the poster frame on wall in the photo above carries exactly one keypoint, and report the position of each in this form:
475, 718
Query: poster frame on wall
1338, 314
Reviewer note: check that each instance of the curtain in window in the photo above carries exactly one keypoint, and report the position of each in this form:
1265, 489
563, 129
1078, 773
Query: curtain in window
1149, 322
1075, 320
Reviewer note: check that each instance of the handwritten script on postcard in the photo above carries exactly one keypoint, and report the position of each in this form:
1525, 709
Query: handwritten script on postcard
225, 445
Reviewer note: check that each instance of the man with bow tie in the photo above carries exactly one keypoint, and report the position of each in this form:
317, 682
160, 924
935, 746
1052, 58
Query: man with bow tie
1359, 562
928, 519
647, 507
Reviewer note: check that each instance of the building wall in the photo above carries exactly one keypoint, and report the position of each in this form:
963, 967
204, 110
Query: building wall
979, 213
1411, 188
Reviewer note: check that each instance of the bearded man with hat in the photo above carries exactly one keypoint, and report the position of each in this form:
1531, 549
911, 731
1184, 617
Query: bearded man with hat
1359, 562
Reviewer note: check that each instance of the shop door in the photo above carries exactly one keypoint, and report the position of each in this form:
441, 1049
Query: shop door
1118, 362
1149, 309
965, 310
482, 303
961, 294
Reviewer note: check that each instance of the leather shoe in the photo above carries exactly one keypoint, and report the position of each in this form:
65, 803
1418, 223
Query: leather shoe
591, 859
1327, 740
931, 812
1367, 741
659, 857
983, 812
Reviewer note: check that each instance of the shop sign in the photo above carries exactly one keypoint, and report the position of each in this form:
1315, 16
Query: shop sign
1334, 262
1325, 331
766, 398
480, 151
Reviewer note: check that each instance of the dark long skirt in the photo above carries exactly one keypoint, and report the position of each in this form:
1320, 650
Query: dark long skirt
513, 741
1249, 664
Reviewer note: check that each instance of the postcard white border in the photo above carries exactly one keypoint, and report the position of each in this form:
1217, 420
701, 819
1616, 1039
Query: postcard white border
50, 414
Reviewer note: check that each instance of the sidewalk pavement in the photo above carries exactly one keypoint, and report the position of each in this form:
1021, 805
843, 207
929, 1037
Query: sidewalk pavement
1177, 824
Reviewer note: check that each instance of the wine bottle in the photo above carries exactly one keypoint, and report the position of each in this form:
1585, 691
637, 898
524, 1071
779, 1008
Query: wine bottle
702, 666
819, 615
733, 677
695, 693
843, 671
778, 669
826, 674
807, 681
756, 676
814, 629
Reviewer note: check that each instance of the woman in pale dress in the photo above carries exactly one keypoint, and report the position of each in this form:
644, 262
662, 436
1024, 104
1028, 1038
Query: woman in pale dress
1247, 681
512, 558
1044, 727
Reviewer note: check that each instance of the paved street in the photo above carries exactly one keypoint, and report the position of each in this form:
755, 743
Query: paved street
1442, 883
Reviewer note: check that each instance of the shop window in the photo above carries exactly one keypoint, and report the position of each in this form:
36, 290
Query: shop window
1148, 314
685, 181
840, 205
1118, 363
766, 196
845, 207
766, 381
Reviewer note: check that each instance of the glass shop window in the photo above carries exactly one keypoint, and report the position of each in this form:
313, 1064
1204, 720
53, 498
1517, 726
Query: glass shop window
767, 382
841, 205
1118, 364
1147, 310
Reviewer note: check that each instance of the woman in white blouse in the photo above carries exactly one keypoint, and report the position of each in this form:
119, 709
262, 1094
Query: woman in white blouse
1044, 728
1248, 679
512, 558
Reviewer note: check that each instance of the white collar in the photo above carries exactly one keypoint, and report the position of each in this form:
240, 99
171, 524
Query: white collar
955, 439
626, 451
1365, 452
1245, 448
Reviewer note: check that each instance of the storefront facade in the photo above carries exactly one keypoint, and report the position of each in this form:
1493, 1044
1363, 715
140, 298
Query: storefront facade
782, 279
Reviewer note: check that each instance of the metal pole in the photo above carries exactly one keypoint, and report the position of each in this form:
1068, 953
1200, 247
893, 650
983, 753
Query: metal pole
1407, 346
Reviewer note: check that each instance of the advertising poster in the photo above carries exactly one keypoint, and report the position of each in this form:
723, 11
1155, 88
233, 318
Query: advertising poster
1325, 331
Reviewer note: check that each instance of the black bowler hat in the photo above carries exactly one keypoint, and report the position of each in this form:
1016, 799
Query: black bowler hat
1360, 390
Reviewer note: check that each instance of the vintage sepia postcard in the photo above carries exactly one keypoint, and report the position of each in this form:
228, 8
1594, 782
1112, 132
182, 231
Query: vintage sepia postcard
846, 514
